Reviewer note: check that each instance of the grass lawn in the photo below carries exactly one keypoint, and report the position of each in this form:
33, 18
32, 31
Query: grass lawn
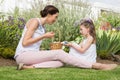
64, 73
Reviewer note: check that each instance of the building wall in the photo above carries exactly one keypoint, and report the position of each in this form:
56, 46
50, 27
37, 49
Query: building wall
9, 5
98, 7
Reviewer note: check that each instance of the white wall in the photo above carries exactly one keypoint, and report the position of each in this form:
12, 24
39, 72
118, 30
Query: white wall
106, 5
5, 5
9, 5
97, 5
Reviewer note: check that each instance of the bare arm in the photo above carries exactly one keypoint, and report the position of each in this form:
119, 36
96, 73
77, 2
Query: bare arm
84, 47
32, 25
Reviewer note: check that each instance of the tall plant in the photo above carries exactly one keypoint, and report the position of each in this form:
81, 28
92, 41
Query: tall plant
108, 43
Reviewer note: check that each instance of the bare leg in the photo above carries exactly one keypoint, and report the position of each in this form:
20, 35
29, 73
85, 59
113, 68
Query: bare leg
101, 66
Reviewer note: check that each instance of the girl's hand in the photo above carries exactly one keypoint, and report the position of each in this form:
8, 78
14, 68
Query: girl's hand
68, 44
49, 35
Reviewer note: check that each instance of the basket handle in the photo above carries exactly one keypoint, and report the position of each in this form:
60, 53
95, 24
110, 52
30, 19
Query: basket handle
59, 36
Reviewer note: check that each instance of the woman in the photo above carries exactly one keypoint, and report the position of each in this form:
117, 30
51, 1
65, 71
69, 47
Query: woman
28, 55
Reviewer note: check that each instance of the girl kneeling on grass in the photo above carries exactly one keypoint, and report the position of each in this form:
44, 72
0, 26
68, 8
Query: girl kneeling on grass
28, 54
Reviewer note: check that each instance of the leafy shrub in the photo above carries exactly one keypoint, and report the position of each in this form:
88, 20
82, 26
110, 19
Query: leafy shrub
112, 18
7, 52
10, 33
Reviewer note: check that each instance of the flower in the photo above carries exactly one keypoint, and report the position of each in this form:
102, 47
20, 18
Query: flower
113, 29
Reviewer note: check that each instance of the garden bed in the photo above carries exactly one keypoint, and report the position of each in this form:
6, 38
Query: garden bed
7, 62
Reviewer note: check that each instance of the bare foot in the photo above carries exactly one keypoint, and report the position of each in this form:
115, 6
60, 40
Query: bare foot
22, 66
100, 66
27, 67
108, 66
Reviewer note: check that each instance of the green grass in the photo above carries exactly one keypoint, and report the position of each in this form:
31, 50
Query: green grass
65, 73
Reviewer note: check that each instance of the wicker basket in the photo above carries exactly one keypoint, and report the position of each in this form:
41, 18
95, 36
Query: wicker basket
55, 45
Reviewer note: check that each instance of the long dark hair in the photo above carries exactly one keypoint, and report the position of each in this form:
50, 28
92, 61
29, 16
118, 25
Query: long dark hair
88, 23
49, 9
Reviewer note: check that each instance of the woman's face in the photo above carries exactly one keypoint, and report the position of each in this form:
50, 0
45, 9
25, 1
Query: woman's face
52, 18
83, 30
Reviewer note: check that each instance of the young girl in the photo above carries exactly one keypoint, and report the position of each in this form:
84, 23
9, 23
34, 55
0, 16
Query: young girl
28, 54
86, 50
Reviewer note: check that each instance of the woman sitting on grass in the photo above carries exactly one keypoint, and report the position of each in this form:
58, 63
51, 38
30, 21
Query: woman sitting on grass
28, 54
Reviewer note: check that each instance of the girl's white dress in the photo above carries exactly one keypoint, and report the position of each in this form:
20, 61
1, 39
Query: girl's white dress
89, 55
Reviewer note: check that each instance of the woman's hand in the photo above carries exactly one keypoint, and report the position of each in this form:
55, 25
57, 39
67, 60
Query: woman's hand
49, 35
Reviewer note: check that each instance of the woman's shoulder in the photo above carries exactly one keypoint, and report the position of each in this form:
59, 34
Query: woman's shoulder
32, 22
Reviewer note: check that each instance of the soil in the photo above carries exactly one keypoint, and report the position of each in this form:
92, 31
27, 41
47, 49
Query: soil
11, 62
7, 62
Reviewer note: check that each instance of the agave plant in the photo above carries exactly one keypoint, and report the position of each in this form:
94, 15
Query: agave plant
108, 43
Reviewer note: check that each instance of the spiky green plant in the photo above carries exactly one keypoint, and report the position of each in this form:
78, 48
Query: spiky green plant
108, 43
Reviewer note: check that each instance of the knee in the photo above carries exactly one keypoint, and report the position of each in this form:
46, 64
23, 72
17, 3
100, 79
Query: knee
59, 64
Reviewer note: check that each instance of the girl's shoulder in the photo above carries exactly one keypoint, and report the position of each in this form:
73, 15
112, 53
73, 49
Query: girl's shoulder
90, 39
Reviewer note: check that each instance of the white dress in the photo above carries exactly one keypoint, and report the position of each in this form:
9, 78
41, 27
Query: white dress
89, 55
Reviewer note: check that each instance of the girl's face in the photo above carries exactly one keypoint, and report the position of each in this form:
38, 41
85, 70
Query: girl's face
83, 30
52, 18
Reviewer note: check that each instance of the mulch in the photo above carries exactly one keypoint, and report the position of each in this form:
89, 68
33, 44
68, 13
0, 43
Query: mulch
7, 62
11, 62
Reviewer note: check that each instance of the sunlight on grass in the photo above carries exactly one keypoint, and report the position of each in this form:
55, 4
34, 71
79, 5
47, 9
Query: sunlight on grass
65, 73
